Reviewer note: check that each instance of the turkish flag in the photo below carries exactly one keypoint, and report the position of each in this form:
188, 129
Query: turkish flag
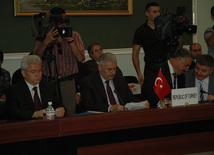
161, 86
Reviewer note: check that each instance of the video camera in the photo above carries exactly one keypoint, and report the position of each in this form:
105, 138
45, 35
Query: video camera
42, 23
169, 27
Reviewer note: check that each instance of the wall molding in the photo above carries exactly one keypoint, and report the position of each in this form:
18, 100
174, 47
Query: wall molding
116, 51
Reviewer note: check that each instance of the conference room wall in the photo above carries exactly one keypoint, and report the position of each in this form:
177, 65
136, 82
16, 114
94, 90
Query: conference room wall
124, 56
110, 31
202, 18
14, 52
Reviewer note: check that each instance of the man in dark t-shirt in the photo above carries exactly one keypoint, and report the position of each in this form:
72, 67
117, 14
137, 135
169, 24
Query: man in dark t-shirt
145, 36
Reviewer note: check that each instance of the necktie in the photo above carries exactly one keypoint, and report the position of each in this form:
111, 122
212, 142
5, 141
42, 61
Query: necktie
110, 94
201, 91
174, 82
37, 102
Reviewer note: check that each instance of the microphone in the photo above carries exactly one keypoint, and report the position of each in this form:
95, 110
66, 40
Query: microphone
121, 101
204, 92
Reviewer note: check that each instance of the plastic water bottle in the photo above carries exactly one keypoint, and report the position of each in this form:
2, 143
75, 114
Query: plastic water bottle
50, 111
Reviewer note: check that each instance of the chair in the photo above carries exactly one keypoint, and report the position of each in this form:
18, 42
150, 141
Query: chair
133, 80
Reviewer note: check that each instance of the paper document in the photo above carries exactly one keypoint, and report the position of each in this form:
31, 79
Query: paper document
137, 105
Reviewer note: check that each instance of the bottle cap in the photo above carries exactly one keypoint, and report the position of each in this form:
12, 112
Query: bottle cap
49, 103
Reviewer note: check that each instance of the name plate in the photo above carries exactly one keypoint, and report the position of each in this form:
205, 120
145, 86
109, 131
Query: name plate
184, 96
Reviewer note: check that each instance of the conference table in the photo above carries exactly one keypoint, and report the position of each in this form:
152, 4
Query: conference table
175, 130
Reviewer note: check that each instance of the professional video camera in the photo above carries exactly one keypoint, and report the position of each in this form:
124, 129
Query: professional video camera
42, 23
170, 26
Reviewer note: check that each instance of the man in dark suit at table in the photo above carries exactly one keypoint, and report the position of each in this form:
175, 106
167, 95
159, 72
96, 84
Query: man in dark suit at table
91, 66
172, 70
29, 97
105, 90
202, 77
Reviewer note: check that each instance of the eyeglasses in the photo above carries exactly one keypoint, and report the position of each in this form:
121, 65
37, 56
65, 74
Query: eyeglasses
195, 50
34, 71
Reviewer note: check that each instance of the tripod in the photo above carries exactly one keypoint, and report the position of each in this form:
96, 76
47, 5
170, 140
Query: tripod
48, 59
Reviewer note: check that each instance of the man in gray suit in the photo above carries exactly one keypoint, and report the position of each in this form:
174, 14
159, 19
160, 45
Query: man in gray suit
202, 77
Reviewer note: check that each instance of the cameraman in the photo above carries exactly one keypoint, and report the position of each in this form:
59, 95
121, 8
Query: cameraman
68, 50
155, 50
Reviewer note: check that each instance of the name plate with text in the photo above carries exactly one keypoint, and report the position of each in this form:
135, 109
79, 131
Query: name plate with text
184, 96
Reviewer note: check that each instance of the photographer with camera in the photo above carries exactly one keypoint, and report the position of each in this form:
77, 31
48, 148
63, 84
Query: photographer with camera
67, 46
145, 36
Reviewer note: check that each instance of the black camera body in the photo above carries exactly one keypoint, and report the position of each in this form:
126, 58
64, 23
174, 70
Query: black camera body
42, 23
169, 27
65, 31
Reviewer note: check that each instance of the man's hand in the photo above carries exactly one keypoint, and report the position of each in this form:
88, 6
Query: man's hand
38, 114
78, 98
60, 112
117, 107
3, 97
140, 79
210, 97
50, 36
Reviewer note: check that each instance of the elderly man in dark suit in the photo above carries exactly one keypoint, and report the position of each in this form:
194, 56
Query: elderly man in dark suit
202, 77
30, 96
172, 70
105, 90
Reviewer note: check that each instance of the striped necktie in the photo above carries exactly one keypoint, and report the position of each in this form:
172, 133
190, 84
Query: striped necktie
201, 91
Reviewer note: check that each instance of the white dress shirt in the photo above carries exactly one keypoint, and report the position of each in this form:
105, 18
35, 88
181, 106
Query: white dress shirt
32, 91
171, 70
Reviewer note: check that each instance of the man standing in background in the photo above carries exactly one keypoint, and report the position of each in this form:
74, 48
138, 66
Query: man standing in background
209, 36
196, 50
68, 50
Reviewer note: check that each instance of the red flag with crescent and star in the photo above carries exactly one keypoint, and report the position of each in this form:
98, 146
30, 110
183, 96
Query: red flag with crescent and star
161, 86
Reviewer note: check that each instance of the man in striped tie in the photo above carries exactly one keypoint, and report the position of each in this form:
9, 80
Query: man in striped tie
202, 77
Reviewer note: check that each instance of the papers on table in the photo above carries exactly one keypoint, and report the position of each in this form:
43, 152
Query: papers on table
138, 105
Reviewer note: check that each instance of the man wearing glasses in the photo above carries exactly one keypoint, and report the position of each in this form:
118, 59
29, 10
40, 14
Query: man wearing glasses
29, 97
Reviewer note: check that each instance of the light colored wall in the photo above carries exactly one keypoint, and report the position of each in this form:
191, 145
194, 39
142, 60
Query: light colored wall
201, 11
124, 57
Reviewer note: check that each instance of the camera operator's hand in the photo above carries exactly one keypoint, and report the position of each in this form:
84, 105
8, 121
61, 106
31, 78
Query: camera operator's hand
50, 36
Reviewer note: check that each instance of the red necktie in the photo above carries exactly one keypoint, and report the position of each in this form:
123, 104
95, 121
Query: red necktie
37, 102
110, 94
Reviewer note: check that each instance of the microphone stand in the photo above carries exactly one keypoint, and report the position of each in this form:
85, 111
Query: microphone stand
121, 101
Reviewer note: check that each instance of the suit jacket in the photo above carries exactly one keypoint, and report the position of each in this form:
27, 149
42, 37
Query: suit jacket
20, 103
94, 96
91, 66
192, 66
147, 88
190, 81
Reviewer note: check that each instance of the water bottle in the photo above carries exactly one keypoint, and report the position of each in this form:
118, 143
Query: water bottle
50, 111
